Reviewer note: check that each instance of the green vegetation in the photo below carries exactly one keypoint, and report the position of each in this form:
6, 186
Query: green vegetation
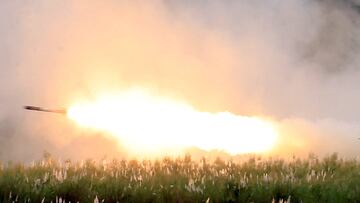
183, 180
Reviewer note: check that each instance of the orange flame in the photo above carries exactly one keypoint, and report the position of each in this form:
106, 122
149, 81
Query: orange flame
147, 123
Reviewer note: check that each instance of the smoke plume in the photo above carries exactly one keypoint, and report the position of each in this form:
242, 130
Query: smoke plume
292, 61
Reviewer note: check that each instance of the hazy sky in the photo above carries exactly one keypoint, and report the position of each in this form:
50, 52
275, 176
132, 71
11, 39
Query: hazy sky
295, 62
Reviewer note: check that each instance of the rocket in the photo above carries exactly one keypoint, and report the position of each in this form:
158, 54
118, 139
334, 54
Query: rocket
36, 108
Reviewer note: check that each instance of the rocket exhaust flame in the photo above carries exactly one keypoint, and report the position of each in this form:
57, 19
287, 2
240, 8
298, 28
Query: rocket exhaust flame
146, 123
36, 108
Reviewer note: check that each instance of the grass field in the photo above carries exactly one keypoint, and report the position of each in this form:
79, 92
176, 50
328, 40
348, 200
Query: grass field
330, 179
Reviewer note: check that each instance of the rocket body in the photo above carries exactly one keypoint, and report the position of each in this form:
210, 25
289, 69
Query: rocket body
36, 108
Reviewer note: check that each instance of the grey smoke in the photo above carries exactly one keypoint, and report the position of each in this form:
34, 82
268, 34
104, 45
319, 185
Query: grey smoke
336, 44
295, 61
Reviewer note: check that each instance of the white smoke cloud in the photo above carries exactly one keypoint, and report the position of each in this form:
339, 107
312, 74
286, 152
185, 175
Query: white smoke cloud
294, 61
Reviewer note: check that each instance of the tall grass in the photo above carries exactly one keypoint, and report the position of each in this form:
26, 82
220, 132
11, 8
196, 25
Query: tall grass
183, 180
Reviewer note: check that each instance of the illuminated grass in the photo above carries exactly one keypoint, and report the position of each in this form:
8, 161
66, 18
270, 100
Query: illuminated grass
182, 180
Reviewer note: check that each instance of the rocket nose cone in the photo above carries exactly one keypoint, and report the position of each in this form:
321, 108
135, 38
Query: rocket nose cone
32, 108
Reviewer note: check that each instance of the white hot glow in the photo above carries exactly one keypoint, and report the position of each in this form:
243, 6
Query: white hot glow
147, 123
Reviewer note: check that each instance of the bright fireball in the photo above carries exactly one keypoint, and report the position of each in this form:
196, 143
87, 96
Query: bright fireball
147, 123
